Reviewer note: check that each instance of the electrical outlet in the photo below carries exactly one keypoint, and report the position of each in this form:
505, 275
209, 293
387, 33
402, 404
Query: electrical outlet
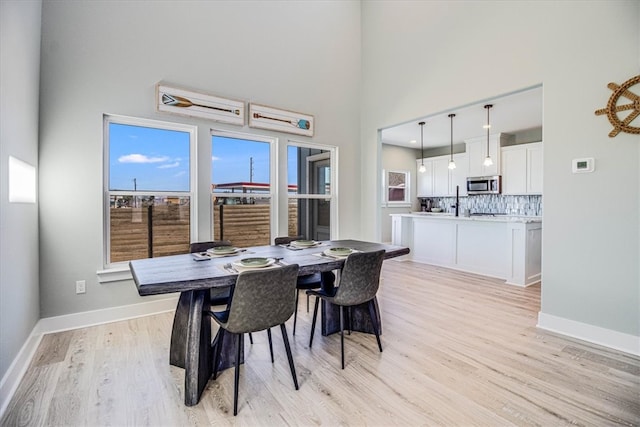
81, 287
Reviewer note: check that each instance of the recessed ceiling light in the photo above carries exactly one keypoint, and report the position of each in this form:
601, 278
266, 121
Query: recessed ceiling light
413, 141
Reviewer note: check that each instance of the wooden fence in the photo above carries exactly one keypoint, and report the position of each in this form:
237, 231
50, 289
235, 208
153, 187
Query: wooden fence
243, 225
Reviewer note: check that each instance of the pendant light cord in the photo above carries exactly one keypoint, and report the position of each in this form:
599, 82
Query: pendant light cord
422, 142
488, 107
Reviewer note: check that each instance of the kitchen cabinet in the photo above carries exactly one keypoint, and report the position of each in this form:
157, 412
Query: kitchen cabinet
509, 248
425, 179
459, 174
476, 149
522, 169
438, 180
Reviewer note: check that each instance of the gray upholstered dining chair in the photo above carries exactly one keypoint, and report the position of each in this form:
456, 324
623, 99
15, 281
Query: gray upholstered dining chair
261, 299
304, 282
358, 284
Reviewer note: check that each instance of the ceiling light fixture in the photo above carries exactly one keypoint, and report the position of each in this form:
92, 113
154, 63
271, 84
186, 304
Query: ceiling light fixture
421, 169
487, 160
452, 164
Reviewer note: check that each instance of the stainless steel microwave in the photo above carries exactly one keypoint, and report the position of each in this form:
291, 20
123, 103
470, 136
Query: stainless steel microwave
484, 185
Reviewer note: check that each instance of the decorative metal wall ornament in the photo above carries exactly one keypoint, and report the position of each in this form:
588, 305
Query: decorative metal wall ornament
612, 109
195, 104
263, 117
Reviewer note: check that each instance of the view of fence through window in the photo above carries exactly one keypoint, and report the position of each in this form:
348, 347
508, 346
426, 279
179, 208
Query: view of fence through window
149, 191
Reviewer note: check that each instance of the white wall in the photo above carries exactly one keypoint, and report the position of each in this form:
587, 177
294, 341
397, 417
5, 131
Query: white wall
422, 57
399, 159
106, 57
19, 82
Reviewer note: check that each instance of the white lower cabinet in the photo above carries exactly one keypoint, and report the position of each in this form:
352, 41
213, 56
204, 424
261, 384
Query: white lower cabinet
507, 249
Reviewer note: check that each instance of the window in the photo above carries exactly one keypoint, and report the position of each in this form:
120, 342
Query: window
310, 185
149, 183
396, 187
242, 188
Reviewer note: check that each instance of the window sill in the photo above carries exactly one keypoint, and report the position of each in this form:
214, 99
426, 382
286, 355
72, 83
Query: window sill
396, 205
115, 274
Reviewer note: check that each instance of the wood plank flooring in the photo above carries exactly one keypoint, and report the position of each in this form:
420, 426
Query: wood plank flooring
459, 349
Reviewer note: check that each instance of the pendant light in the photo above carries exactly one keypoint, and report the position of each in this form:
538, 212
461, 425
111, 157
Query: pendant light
452, 164
421, 169
487, 160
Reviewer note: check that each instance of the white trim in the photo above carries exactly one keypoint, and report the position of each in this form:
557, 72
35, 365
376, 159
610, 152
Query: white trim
606, 337
16, 371
114, 274
11, 380
192, 194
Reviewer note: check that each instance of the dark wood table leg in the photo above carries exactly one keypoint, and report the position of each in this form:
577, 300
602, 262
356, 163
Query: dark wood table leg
198, 348
359, 319
228, 353
178, 349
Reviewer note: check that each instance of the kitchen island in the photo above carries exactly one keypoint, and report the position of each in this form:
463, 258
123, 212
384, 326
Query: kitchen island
505, 247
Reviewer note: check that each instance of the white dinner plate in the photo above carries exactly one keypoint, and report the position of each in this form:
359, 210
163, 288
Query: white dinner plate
222, 250
339, 251
255, 262
304, 243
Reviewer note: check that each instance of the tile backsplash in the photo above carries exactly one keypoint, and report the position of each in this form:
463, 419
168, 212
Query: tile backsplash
492, 203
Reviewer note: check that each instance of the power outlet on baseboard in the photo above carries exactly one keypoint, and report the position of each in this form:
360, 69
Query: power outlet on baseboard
81, 287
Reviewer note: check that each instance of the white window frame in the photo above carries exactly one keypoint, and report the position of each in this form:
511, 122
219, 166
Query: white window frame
119, 270
273, 175
385, 188
332, 153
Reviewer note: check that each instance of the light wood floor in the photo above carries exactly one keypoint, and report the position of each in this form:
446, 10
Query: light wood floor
459, 349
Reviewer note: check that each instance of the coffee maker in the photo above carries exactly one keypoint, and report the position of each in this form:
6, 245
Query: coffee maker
426, 205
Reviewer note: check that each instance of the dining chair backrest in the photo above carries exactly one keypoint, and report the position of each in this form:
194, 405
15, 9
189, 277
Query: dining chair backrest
359, 278
286, 240
262, 299
203, 246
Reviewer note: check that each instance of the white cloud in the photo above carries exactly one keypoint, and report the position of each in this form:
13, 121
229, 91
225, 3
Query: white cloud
214, 158
169, 165
179, 174
141, 158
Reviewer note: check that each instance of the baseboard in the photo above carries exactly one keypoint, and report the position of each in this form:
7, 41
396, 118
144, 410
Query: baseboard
606, 337
16, 371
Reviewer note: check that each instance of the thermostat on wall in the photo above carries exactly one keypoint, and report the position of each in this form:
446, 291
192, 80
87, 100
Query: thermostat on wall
583, 165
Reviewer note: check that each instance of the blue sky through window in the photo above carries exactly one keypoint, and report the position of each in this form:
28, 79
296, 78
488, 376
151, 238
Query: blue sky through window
150, 159
157, 159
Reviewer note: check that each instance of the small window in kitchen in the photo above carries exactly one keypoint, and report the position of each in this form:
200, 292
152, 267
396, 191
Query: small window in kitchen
396, 187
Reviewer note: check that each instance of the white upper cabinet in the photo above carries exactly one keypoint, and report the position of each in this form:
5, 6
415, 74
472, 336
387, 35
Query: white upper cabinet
522, 169
438, 180
477, 152
425, 179
459, 174
440, 176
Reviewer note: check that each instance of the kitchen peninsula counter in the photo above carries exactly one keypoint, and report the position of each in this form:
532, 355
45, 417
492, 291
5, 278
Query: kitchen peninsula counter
506, 247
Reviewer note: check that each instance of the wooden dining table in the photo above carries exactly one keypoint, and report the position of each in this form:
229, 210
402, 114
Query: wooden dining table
191, 344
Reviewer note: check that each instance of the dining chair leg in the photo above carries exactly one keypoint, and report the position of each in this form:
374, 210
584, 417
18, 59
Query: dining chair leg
270, 344
295, 313
236, 380
250, 338
287, 347
342, 335
349, 319
216, 353
313, 323
374, 322
307, 303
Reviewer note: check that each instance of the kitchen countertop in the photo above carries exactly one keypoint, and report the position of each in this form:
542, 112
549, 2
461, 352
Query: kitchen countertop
450, 216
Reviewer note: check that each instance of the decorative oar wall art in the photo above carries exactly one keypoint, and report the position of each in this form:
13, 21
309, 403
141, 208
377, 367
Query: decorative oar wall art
188, 103
263, 117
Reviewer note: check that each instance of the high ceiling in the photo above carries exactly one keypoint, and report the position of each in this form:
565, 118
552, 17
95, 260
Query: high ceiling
510, 113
